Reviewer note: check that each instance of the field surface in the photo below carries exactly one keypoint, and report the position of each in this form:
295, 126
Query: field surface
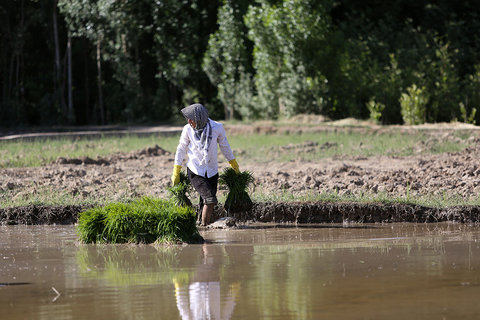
302, 160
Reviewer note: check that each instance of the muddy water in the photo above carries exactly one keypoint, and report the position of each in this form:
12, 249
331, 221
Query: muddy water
394, 271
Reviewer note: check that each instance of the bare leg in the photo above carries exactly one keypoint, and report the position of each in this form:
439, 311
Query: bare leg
207, 213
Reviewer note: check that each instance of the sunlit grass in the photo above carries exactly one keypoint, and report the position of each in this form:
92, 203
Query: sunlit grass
435, 201
247, 147
42, 152
311, 146
50, 196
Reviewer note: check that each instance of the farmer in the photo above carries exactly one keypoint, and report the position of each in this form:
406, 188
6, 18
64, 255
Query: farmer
199, 140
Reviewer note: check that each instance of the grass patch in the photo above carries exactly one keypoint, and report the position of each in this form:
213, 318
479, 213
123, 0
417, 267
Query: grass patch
434, 201
284, 147
237, 198
255, 147
41, 152
144, 220
49, 195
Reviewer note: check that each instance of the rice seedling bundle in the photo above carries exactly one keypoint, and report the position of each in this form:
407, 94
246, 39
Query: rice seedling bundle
180, 192
145, 220
237, 184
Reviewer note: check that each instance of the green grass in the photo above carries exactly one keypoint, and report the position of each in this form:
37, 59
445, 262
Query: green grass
42, 152
435, 201
286, 147
48, 195
253, 147
146, 220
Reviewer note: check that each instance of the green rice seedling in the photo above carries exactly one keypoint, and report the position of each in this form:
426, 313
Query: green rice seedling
91, 224
180, 192
237, 184
144, 220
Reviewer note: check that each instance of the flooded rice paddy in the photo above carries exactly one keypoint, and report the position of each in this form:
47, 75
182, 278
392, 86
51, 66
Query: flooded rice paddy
389, 271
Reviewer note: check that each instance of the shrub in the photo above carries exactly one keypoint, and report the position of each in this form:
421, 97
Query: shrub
413, 105
467, 118
144, 220
375, 108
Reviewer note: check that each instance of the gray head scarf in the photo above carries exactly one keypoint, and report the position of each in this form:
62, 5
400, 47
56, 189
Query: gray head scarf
197, 113
203, 131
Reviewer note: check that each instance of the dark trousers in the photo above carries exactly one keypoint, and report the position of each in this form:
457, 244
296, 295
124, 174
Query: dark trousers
206, 187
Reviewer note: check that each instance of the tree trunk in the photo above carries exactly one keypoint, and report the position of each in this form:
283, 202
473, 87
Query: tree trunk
87, 82
21, 72
99, 80
71, 115
58, 83
4, 73
10, 76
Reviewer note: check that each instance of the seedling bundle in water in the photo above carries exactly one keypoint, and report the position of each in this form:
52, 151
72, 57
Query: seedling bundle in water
237, 184
145, 220
180, 192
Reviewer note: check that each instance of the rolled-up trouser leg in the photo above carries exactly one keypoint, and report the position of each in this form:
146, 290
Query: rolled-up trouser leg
206, 187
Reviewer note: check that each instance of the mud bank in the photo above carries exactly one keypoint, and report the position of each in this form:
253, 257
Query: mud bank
39, 214
357, 212
276, 213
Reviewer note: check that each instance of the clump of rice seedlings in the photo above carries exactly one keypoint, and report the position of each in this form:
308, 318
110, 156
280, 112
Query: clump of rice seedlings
146, 220
237, 184
180, 192
91, 224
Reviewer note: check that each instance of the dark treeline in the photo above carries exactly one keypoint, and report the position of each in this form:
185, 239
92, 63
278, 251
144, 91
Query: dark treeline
103, 62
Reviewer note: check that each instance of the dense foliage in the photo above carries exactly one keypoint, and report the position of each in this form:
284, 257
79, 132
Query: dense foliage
103, 61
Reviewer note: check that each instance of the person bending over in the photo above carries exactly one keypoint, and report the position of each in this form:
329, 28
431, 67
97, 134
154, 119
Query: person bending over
199, 141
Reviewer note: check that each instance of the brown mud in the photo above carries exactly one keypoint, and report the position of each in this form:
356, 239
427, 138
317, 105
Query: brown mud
275, 212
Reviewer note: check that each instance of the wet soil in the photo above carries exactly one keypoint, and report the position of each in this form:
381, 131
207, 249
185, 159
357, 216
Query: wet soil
147, 173
274, 212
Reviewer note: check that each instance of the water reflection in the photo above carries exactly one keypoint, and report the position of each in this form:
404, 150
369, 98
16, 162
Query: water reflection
390, 271
205, 297
129, 265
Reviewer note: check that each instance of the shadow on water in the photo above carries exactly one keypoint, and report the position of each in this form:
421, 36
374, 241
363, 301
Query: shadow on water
7, 284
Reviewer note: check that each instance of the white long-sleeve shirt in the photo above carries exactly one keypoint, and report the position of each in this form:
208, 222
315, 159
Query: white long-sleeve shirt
185, 146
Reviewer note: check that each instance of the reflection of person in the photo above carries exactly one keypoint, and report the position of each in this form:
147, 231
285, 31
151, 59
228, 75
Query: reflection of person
202, 165
203, 298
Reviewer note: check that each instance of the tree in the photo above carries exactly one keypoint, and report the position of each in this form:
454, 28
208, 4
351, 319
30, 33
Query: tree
89, 18
289, 36
227, 62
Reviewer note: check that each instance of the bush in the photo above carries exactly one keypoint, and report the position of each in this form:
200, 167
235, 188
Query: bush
145, 220
375, 108
413, 105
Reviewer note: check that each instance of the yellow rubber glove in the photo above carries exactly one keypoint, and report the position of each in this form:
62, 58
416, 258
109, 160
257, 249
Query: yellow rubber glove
176, 174
234, 165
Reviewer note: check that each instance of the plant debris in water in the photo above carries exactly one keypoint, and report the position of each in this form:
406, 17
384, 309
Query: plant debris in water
145, 220
237, 184
181, 191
